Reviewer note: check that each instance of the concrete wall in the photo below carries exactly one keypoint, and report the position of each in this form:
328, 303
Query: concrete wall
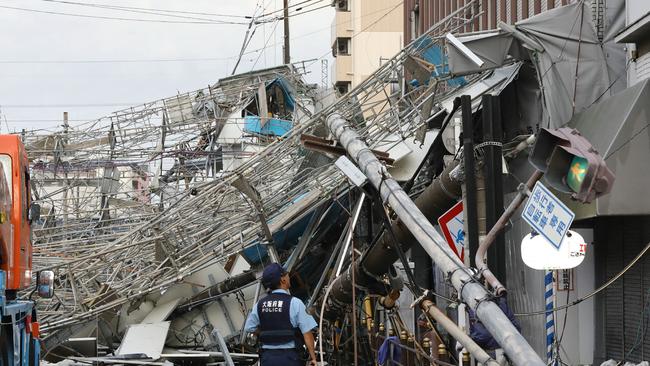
368, 50
376, 32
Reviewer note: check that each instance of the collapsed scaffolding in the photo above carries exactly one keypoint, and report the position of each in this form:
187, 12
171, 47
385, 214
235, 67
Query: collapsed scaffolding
198, 200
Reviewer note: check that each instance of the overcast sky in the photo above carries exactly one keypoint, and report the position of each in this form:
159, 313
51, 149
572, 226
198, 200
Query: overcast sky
41, 75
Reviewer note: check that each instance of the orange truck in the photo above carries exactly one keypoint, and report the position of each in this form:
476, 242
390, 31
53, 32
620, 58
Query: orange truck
19, 330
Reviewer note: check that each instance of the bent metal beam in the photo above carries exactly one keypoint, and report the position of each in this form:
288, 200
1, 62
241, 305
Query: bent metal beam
471, 292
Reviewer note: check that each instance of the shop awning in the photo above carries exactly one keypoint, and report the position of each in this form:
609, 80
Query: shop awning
618, 127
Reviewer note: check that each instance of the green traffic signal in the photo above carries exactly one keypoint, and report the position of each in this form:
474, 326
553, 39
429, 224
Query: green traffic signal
571, 164
577, 172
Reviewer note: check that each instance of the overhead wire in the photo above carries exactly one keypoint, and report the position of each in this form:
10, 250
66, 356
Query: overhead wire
291, 6
117, 60
247, 39
119, 18
595, 292
170, 10
297, 13
143, 11
303, 35
259, 55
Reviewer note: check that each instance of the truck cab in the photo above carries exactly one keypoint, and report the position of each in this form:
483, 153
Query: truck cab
16, 254
19, 329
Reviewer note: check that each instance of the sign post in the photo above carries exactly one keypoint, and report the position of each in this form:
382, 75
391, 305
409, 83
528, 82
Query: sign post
549, 297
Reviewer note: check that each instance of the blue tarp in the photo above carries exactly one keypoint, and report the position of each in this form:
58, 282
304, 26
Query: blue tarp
272, 127
434, 54
385, 351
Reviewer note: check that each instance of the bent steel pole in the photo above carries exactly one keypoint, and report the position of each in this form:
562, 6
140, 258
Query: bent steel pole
470, 291
459, 334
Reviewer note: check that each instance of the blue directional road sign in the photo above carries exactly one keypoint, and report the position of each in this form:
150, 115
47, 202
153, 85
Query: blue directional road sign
547, 215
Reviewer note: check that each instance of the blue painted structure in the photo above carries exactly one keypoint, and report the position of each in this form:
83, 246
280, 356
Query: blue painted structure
435, 55
17, 345
272, 127
283, 239
288, 237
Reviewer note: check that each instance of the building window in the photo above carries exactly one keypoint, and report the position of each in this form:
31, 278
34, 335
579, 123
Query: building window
342, 87
342, 5
343, 46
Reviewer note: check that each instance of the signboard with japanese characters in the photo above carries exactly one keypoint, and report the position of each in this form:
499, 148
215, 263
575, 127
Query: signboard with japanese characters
547, 215
451, 225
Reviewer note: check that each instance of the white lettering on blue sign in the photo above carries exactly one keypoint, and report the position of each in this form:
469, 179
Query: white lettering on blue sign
547, 215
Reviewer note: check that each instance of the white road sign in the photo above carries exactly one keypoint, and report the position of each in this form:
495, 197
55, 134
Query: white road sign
547, 215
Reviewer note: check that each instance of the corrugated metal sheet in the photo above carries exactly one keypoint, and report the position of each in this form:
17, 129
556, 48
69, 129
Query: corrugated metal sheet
509, 19
483, 21
408, 8
626, 303
497, 11
525, 9
525, 285
643, 67
511, 11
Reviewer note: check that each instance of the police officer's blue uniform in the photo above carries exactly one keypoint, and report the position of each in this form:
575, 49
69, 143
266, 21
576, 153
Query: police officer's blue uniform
282, 319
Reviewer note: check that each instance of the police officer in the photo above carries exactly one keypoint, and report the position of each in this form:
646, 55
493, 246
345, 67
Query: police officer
281, 321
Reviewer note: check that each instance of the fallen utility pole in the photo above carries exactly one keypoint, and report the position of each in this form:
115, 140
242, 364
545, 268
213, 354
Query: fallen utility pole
459, 334
469, 289
287, 48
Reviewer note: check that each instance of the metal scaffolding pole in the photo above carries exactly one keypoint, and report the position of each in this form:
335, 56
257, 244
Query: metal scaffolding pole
470, 291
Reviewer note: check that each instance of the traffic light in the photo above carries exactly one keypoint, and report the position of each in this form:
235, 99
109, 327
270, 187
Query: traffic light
571, 164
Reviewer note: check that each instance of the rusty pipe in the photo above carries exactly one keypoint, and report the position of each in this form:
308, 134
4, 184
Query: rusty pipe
481, 260
367, 308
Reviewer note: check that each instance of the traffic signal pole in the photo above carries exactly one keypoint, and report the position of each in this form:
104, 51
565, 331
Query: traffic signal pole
493, 174
481, 261
469, 289
470, 193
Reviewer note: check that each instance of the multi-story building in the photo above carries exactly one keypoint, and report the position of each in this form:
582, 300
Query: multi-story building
364, 34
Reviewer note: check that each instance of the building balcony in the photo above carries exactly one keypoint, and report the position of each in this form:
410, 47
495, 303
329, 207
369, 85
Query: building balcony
343, 68
342, 25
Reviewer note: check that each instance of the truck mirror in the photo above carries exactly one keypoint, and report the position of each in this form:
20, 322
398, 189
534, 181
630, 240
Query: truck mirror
34, 212
45, 284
